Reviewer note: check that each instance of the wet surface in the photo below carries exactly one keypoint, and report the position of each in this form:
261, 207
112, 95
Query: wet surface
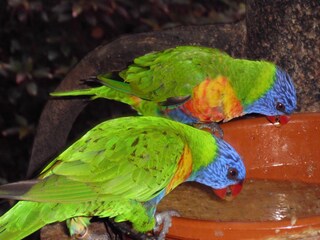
260, 200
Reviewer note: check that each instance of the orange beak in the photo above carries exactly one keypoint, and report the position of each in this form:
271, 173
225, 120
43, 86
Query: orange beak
278, 120
229, 192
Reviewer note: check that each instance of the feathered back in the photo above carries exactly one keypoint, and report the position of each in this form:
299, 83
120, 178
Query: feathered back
176, 71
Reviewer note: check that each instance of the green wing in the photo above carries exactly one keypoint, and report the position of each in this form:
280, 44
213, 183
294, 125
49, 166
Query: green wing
171, 73
158, 76
113, 161
175, 72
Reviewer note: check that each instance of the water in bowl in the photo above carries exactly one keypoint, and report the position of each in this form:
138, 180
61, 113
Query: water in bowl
260, 200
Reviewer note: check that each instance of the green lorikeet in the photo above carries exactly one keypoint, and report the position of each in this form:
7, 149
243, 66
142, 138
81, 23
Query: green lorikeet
121, 169
193, 84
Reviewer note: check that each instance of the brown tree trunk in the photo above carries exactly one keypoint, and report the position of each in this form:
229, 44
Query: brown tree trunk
288, 33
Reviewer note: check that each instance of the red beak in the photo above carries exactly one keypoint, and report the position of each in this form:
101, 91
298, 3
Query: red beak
278, 120
229, 192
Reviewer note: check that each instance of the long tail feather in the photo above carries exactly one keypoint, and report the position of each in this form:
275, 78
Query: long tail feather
79, 92
141, 106
116, 85
25, 218
99, 92
16, 190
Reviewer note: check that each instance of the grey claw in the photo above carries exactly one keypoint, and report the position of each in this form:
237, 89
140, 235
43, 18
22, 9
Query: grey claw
164, 219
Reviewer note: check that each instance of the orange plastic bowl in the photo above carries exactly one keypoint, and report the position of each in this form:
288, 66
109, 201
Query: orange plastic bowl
290, 152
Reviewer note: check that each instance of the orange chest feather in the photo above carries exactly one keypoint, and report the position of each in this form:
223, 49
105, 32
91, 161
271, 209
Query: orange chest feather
214, 100
184, 170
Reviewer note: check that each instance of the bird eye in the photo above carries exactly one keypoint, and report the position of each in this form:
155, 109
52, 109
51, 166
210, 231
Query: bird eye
232, 174
280, 107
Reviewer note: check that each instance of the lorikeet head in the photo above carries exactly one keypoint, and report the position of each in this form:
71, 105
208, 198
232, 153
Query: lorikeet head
225, 174
278, 102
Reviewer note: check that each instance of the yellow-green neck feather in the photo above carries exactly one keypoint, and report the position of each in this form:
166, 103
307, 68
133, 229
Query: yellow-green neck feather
201, 156
249, 79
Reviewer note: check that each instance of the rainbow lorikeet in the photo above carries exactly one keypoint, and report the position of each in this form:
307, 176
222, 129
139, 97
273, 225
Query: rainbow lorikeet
121, 169
193, 84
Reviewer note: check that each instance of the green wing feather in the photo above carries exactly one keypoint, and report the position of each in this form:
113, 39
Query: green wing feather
115, 85
171, 73
108, 158
122, 156
111, 171
176, 71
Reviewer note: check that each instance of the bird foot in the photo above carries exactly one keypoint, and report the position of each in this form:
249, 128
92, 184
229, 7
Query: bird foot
164, 222
213, 127
78, 226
